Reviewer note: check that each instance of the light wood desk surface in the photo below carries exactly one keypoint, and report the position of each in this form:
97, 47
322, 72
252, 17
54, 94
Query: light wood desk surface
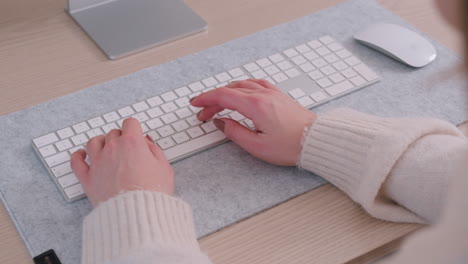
44, 55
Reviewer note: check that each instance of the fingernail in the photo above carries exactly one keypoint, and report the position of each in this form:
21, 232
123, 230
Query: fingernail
219, 124
191, 99
149, 137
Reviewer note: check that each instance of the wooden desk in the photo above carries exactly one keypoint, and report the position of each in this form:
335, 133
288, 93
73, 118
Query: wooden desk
44, 55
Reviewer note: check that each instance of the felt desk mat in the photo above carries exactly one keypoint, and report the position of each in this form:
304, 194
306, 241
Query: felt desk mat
224, 184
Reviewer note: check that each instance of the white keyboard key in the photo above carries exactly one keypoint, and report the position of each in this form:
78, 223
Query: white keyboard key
336, 77
96, 122
194, 144
290, 53
296, 93
264, 62
335, 46
144, 128
222, 84
79, 139
318, 96
348, 73
196, 86
209, 127
236, 72
193, 120
154, 112
327, 70
120, 122
169, 107
182, 102
57, 159
324, 82
223, 77
319, 63
270, 80
166, 131
180, 125
155, 101
358, 80
322, 51
111, 117
344, 53
182, 91
224, 112
166, 143
94, 132
169, 96
284, 65
272, 69
194, 95
180, 137
293, 72
65, 133
315, 75
260, 74
240, 78
141, 117
236, 116
63, 145
183, 113
305, 101
331, 58
303, 48
195, 132
326, 40
81, 127
154, 135
307, 67
75, 149
74, 191
47, 150
314, 44
124, 112
280, 77
340, 65
339, 88
109, 127
251, 67
311, 55
209, 89
140, 106
351, 61
68, 180
154, 123
366, 72
195, 109
169, 118
45, 140
61, 169
298, 60
249, 123
208, 82
275, 58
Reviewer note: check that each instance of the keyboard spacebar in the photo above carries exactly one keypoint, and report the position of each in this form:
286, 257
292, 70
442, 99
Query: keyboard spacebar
183, 149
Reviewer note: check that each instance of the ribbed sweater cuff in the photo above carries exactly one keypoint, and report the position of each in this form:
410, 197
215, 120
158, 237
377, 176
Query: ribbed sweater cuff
356, 152
135, 219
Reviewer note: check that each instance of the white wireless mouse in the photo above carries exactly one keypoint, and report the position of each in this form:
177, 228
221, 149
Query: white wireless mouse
399, 43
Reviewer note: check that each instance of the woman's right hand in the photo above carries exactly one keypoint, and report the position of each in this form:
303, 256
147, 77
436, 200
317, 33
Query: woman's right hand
279, 120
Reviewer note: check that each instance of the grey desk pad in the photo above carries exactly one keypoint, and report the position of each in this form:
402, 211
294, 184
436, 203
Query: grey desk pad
224, 185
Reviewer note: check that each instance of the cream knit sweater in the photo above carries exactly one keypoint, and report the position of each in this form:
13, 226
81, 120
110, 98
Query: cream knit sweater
396, 169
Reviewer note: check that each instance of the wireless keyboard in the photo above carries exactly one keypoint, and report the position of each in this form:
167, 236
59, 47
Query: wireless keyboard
312, 73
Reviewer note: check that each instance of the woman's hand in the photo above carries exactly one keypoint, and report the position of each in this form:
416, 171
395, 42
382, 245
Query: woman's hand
279, 121
123, 160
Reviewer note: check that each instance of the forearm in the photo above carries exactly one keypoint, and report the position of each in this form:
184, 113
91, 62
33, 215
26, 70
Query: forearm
374, 160
141, 227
